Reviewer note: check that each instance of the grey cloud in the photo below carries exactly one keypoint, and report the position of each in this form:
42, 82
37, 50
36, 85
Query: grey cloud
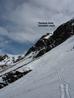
19, 18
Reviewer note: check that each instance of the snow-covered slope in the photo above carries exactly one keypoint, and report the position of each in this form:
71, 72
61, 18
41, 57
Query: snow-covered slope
51, 76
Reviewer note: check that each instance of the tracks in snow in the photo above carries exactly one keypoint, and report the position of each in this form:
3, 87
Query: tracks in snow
65, 90
64, 86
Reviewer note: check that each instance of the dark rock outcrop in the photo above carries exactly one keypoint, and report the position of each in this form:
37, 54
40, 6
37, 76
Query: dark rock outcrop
47, 42
12, 76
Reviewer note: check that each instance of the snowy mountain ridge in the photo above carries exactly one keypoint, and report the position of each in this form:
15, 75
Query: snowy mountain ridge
20, 66
8, 60
50, 41
43, 45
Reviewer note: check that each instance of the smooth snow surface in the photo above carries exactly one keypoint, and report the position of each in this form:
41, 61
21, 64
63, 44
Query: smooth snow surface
51, 77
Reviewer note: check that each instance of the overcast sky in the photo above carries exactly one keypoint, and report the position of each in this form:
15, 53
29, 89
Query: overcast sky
19, 18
